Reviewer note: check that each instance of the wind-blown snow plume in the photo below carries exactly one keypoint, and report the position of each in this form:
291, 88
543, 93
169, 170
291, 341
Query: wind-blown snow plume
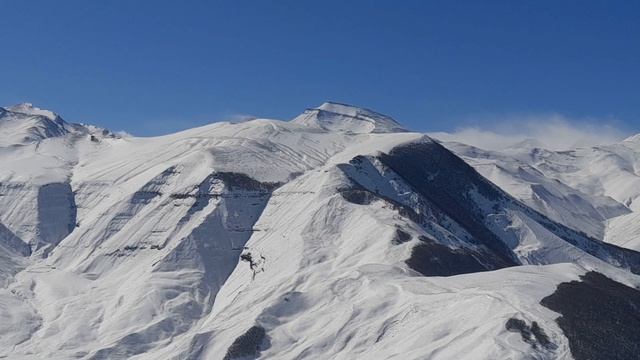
550, 131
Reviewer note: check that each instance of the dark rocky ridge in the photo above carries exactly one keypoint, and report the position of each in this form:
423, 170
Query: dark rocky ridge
447, 181
428, 257
599, 316
432, 259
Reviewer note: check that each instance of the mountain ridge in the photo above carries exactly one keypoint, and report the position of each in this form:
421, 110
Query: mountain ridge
338, 234
334, 116
24, 123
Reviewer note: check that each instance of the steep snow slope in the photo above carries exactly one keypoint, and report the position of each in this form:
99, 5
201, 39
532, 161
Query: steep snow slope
336, 235
38, 151
595, 190
346, 288
543, 192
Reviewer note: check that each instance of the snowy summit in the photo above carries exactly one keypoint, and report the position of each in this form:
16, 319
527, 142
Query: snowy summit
341, 117
29, 109
24, 123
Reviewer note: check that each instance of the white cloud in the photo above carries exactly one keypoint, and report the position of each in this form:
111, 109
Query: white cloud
123, 134
551, 131
238, 118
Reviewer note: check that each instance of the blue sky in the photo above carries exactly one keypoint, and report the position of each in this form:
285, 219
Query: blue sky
153, 67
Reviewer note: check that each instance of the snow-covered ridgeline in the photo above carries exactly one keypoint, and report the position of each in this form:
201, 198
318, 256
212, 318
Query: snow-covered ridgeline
336, 235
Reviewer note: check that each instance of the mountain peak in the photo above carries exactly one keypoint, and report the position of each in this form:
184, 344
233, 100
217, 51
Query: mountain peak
24, 123
633, 138
28, 109
334, 116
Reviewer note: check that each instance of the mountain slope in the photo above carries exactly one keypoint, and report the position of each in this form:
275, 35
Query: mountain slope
594, 190
338, 234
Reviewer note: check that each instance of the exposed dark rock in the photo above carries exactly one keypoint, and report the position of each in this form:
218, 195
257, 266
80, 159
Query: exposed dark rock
401, 237
358, 196
447, 181
599, 316
517, 325
144, 197
540, 335
181, 196
432, 259
256, 264
248, 345
533, 335
247, 257
238, 181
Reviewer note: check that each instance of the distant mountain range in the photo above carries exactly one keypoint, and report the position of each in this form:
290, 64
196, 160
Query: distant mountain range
337, 235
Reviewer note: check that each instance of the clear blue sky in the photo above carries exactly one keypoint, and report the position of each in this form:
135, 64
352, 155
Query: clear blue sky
151, 67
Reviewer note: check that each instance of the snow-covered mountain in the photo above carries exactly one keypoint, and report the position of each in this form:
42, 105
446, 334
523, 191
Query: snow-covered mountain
337, 235
23, 124
595, 190
340, 117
